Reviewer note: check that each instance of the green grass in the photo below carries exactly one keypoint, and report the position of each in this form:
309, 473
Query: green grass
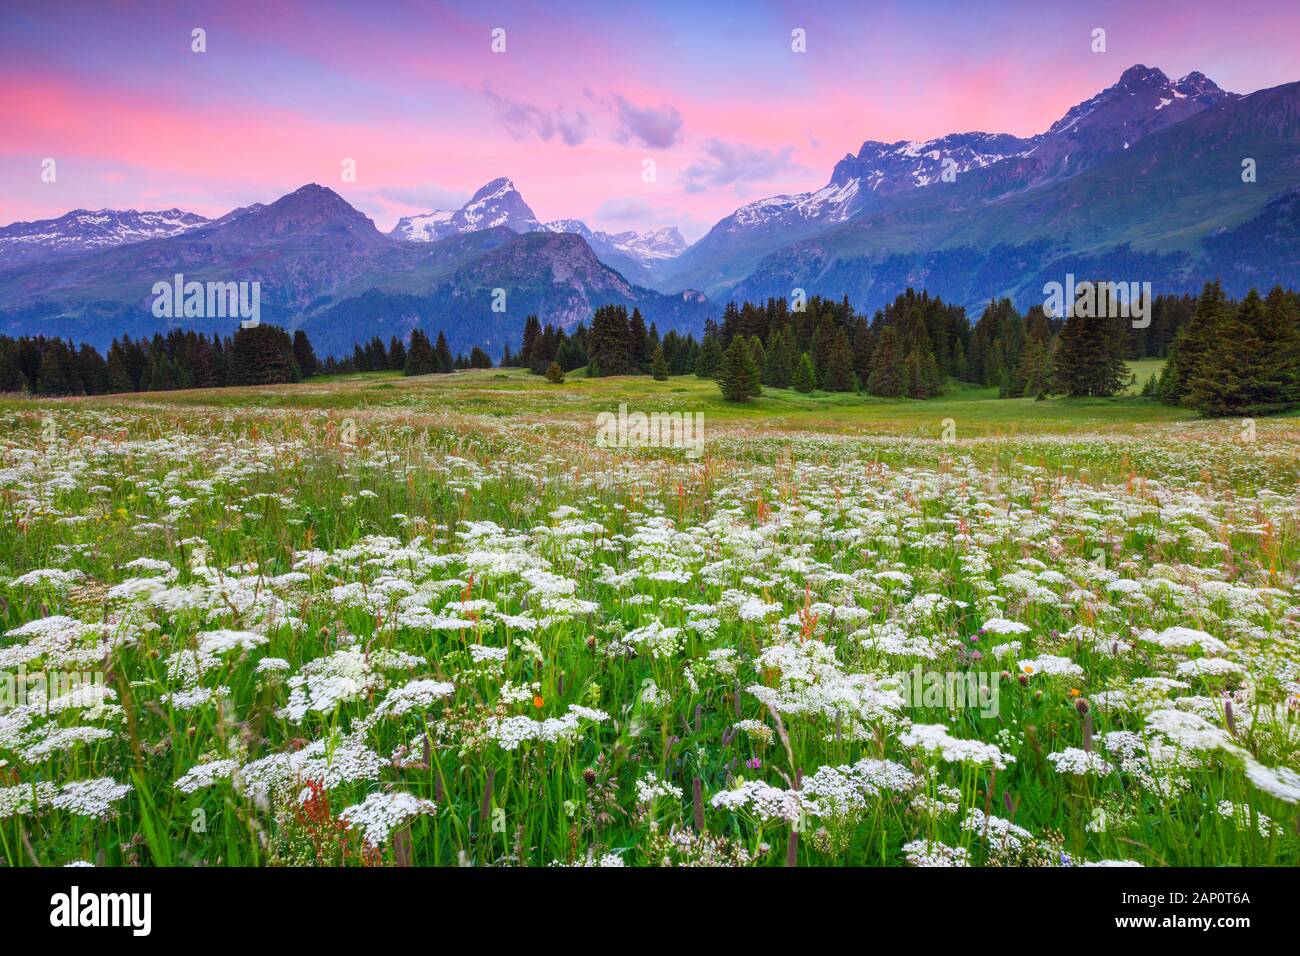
501, 393
418, 512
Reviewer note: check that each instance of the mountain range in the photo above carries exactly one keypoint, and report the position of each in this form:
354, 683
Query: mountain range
1145, 181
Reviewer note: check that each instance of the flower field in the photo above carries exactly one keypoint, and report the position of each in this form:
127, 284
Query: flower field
423, 636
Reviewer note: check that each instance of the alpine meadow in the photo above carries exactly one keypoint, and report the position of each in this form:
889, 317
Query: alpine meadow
689, 513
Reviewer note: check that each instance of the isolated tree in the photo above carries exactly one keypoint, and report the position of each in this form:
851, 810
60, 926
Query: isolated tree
555, 374
738, 376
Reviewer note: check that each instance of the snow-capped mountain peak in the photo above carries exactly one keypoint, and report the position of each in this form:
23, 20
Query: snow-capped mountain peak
84, 229
498, 203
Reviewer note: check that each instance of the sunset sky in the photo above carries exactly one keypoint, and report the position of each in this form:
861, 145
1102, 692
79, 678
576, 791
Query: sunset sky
584, 92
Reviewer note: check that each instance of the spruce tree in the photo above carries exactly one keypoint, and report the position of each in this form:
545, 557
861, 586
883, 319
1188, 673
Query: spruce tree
1279, 327
445, 363
555, 374
805, 376
659, 364
1089, 358
420, 357
759, 354
607, 346
710, 358
778, 368
862, 347
839, 373
738, 376
823, 344
886, 377
1231, 375
1194, 341
396, 355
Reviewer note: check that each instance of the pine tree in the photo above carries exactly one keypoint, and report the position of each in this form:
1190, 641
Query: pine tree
607, 345
445, 363
396, 355
805, 376
839, 373
1194, 341
778, 369
1089, 358
1279, 327
823, 344
532, 331
1035, 370
555, 374
710, 358
759, 354
638, 344
420, 357
119, 379
262, 355
56, 376
886, 377
863, 343
659, 364
11, 377
1230, 376
738, 377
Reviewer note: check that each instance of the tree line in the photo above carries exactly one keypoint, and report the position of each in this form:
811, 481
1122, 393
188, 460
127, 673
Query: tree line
616, 344
1223, 357
1235, 358
262, 355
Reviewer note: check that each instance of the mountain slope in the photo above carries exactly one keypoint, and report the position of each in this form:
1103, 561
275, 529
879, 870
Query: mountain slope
986, 165
322, 264
1147, 213
553, 275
